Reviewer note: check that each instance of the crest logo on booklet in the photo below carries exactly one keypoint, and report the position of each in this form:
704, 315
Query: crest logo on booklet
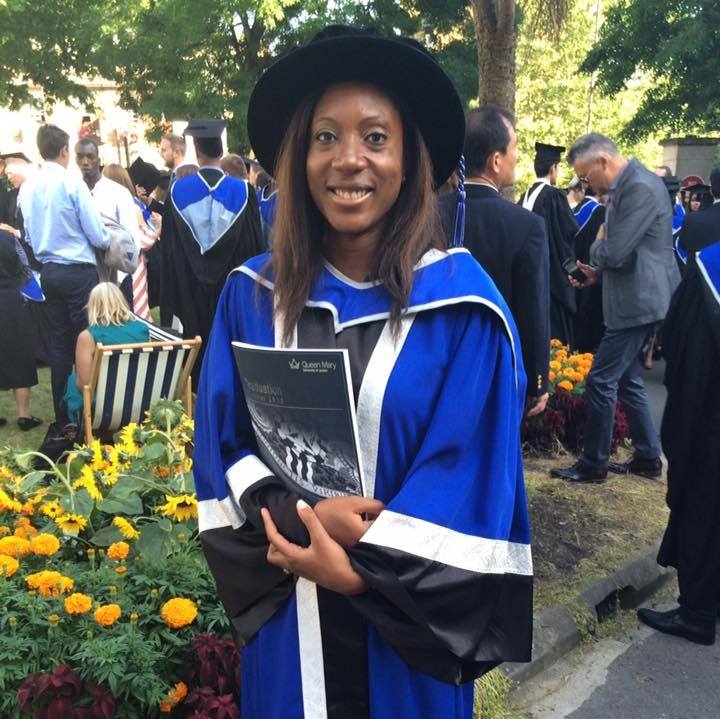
294, 364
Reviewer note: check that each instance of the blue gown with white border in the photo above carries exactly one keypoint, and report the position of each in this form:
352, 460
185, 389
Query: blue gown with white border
448, 563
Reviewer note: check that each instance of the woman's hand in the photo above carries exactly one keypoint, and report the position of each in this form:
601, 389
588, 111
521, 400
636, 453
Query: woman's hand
323, 562
342, 517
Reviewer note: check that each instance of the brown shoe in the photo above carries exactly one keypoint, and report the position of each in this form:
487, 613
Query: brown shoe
650, 468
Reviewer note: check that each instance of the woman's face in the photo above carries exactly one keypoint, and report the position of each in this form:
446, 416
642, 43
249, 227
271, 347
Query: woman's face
694, 203
355, 160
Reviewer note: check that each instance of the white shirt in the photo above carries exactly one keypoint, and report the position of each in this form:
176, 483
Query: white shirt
116, 202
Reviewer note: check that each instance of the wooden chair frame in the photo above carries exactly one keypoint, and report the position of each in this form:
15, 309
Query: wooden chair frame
184, 385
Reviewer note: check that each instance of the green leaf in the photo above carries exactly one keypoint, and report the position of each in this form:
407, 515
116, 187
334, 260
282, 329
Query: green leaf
31, 481
153, 543
153, 452
117, 505
79, 502
107, 536
165, 524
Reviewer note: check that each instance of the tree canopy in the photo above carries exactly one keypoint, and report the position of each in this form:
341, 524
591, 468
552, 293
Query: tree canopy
677, 44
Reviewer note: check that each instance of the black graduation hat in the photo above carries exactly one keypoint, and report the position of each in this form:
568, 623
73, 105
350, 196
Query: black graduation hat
14, 156
672, 184
551, 153
340, 53
207, 134
144, 174
697, 189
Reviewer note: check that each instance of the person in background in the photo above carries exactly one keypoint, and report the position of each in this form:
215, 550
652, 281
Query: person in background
590, 217
113, 200
234, 165
508, 241
575, 193
663, 171
545, 199
172, 151
150, 224
110, 322
212, 225
639, 275
691, 442
17, 361
64, 229
701, 229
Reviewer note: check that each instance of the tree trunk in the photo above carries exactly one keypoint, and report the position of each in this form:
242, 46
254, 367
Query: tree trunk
495, 40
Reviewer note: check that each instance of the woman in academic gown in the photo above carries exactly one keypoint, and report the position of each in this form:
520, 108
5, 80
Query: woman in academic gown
340, 616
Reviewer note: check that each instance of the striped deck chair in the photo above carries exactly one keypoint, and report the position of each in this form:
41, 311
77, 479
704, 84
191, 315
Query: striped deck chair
128, 379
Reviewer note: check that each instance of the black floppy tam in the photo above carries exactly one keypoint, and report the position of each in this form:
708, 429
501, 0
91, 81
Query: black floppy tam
144, 174
400, 66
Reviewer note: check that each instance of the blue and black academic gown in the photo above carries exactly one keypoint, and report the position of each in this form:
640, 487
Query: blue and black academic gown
677, 222
447, 563
589, 327
211, 227
691, 435
267, 199
551, 204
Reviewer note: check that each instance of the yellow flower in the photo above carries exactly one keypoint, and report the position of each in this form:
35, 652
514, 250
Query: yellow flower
555, 343
71, 523
51, 509
78, 603
8, 504
107, 614
49, 583
97, 458
180, 508
178, 612
127, 439
4, 531
53, 619
555, 365
121, 569
566, 385
118, 551
14, 546
87, 481
8, 565
551, 376
44, 545
134, 617
25, 532
126, 529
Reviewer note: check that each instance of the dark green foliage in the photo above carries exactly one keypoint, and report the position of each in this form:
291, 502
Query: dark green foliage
678, 43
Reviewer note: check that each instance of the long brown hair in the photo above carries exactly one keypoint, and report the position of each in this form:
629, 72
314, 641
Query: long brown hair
413, 225
117, 173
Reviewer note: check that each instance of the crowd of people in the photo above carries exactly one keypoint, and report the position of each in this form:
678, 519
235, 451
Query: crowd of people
440, 299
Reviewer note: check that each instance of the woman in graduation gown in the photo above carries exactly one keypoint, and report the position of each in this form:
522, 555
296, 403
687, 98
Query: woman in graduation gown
340, 616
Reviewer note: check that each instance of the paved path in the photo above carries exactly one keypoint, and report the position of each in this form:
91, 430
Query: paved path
639, 675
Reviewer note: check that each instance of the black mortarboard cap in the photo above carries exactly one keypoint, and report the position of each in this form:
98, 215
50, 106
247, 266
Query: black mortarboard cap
552, 153
207, 134
697, 189
144, 174
672, 184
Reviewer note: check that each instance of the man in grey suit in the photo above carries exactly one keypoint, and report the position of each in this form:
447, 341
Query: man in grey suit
639, 275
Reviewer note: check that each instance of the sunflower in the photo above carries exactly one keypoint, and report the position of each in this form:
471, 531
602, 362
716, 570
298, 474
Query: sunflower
126, 529
180, 508
127, 443
87, 481
51, 509
8, 504
71, 523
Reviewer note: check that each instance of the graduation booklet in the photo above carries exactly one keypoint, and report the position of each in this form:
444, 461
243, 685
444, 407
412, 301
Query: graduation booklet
303, 414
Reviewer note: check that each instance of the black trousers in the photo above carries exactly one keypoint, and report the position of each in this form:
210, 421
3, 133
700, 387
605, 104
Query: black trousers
67, 289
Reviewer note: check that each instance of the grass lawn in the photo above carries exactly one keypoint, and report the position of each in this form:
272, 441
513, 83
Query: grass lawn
41, 405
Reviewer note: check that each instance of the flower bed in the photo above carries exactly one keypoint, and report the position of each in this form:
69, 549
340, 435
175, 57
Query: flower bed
107, 607
562, 424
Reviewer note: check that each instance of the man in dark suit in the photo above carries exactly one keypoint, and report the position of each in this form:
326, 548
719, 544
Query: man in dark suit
509, 242
702, 228
639, 275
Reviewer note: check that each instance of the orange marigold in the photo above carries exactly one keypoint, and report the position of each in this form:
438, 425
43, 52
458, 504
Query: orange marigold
179, 612
14, 546
107, 614
45, 545
78, 603
175, 696
49, 583
25, 532
118, 551
8, 565
566, 385
4, 531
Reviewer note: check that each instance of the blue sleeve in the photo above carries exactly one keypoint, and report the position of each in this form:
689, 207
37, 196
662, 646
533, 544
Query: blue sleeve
448, 562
